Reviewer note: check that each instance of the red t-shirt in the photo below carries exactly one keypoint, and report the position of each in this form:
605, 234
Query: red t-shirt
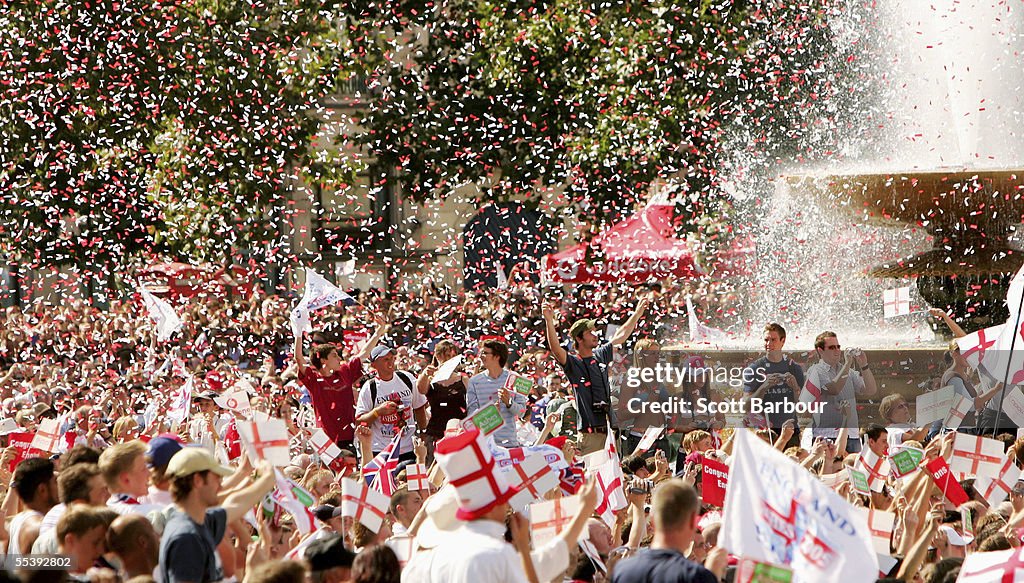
332, 398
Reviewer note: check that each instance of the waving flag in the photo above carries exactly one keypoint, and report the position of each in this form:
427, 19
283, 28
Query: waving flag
181, 403
699, 333
296, 500
319, 294
163, 315
386, 460
778, 512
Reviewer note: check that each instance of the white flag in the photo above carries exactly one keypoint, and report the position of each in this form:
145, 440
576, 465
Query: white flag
296, 500
502, 279
993, 567
363, 503
180, 405
896, 302
266, 440
319, 293
778, 512
163, 315
880, 523
699, 333
236, 400
974, 345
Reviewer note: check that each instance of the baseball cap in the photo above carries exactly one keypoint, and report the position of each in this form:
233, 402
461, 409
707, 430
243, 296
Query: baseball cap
325, 512
580, 326
40, 409
379, 352
329, 553
195, 459
211, 395
161, 449
954, 537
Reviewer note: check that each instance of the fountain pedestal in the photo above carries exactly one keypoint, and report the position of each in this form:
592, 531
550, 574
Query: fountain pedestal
970, 216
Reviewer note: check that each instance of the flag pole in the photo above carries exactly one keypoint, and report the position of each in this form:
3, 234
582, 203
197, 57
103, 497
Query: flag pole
1006, 375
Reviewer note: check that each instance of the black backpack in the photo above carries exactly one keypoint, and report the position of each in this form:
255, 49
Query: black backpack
373, 386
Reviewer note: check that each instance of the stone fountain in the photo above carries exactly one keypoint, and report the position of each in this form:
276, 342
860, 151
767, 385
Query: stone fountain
969, 215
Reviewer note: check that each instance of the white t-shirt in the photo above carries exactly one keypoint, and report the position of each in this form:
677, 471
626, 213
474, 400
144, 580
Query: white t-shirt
393, 390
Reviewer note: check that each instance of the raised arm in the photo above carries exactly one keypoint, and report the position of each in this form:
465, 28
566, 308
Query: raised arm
300, 360
241, 501
955, 328
626, 330
372, 341
552, 335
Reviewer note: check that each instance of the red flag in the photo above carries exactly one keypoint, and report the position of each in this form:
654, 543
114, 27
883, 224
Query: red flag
232, 441
943, 478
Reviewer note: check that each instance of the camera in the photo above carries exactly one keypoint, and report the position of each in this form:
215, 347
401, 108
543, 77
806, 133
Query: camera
641, 486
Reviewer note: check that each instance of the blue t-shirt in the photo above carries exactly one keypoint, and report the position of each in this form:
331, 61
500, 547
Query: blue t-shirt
779, 393
188, 551
589, 380
661, 566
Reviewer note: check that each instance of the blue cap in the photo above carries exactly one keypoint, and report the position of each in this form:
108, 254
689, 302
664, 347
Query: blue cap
161, 450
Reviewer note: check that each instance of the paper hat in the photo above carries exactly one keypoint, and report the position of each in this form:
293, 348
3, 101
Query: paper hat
470, 467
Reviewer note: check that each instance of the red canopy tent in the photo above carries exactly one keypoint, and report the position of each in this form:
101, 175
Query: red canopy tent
639, 249
181, 280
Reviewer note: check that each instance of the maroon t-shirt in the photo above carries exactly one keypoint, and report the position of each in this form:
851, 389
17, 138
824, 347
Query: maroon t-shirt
332, 398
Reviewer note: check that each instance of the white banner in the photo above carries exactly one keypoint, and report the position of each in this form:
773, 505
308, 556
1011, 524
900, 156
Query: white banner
776, 511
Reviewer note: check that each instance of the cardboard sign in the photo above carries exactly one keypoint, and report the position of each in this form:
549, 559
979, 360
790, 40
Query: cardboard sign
22, 444
944, 479
905, 461
1013, 406
714, 482
518, 383
934, 405
859, 480
751, 571
487, 420
650, 436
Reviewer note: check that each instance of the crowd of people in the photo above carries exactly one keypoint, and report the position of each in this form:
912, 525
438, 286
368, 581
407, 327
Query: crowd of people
440, 403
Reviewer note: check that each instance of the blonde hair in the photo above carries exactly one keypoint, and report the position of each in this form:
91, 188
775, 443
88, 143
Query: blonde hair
122, 426
119, 459
691, 439
888, 405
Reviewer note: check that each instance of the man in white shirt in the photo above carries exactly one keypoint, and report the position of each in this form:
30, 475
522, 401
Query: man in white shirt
390, 401
842, 377
124, 468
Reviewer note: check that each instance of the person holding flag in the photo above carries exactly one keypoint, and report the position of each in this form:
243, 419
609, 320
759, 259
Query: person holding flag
390, 401
841, 378
330, 384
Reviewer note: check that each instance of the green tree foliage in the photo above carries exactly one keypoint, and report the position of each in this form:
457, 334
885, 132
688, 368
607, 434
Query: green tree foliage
159, 126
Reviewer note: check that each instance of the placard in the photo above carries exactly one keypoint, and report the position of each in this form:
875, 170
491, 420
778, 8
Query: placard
487, 420
519, 384
859, 480
934, 405
905, 461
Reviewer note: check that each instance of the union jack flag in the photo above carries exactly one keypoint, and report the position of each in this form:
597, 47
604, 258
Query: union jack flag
388, 461
570, 480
